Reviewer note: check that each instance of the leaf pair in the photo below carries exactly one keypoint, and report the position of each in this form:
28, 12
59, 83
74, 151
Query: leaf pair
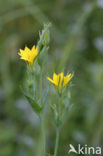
34, 104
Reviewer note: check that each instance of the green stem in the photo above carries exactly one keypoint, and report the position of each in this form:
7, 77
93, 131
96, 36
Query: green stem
57, 141
43, 135
42, 119
41, 86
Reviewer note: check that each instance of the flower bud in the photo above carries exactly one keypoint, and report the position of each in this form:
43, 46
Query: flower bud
44, 37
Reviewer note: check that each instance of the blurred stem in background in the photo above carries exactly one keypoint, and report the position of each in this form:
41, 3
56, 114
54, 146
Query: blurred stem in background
73, 38
21, 12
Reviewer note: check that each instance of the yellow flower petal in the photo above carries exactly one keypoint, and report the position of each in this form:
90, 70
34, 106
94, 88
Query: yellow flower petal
50, 80
33, 48
27, 49
67, 79
61, 77
56, 79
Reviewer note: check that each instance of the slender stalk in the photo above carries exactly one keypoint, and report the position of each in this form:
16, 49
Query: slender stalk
41, 86
42, 122
57, 141
43, 136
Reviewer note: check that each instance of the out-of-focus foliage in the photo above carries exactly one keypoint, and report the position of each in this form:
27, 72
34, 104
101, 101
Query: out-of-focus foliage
76, 45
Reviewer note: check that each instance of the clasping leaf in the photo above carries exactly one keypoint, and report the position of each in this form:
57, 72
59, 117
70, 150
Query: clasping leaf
36, 107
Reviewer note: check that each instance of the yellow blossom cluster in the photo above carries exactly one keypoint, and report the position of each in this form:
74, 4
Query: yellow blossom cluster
60, 80
29, 55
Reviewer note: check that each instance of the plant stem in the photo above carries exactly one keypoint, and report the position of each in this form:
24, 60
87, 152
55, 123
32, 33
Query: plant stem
43, 135
41, 86
42, 119
57, 141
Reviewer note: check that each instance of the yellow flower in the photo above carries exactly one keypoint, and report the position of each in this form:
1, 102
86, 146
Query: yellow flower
29, 55
60, 80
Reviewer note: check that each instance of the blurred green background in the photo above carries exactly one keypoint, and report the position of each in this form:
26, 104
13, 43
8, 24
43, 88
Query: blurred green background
76, 45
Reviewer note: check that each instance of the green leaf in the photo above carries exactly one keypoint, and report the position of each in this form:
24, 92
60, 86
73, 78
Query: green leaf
36, 107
